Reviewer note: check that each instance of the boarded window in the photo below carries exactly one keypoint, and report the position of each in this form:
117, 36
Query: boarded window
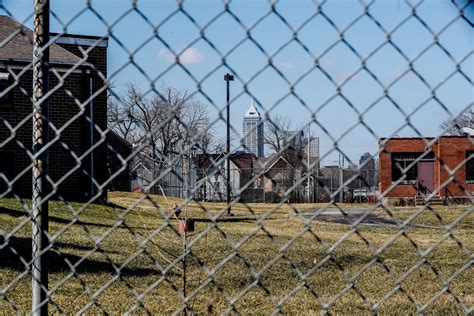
470, 166
404, 163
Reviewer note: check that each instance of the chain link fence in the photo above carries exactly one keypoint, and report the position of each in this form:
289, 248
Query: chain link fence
118, 193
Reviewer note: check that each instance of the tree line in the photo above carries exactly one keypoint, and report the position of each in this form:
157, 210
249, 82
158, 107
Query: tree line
166, 122
163, 123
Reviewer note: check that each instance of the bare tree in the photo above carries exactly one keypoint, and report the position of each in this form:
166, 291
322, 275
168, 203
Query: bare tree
454, 126
120, 117
193, 125
169, 108
165, 123
276, 130
282, 140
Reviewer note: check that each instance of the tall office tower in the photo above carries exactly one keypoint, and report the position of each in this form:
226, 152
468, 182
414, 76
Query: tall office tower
367, 170
252, 131
314, 147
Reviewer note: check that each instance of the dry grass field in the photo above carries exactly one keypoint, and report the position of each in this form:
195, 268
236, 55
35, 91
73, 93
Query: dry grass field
129, 258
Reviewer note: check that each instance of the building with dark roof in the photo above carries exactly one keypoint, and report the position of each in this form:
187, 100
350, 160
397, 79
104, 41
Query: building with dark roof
277, 175
77, 113
17, 45
211, 175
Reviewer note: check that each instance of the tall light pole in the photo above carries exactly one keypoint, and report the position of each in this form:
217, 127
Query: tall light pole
308, 154
341, 178
228, 78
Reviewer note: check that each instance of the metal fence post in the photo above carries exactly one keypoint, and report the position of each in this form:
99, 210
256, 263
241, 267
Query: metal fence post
228, 77
39, 206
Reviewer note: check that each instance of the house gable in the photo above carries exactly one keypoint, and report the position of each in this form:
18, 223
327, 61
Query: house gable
17, 45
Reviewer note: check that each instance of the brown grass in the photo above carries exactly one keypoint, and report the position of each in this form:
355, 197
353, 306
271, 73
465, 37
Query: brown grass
242, 262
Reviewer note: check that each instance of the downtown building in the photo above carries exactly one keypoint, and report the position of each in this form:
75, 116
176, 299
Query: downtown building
252, 131
313, 146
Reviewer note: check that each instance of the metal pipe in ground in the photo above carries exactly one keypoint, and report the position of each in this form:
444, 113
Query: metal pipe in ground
39, 204
185, 244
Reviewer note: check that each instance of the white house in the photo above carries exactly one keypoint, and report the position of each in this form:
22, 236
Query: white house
212, 175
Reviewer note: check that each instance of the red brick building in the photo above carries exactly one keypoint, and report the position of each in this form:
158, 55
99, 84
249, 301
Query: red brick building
77, 113
413, 168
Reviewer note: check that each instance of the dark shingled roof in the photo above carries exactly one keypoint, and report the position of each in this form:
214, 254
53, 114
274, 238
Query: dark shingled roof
16, 44
241, 160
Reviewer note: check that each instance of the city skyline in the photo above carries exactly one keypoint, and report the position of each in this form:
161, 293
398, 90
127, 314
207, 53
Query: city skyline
313, 74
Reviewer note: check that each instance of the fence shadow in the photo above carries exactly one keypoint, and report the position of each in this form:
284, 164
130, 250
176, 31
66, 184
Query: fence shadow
224, 220
58, 260
350, 219
55, 219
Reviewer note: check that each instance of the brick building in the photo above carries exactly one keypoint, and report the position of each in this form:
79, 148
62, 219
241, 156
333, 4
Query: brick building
411, 169
77, 113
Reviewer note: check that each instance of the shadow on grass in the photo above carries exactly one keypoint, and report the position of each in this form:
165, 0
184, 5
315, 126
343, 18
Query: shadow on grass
370, 219
350, 219
113, 205
227, 219
58, 261
59, 220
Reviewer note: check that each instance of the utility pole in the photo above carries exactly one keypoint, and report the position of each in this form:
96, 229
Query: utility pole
341, 178
332, 181
228, 78
317, 183
307, 154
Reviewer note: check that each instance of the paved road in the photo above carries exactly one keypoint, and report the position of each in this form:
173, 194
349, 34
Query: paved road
334, 215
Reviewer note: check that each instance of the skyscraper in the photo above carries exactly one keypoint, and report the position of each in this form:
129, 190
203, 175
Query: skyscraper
313, 146
367, 170
370, 164
252, 131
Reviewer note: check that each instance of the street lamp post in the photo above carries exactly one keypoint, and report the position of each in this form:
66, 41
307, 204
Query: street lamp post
228, 78
307, 156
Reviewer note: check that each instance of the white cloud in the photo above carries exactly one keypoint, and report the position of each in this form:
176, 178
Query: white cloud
188, 57
285, 65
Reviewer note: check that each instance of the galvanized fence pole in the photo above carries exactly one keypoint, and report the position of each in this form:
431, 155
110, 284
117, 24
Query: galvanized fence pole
39, 268
228, 78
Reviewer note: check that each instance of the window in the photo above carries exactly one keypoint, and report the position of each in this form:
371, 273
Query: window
470, 166
401, 161
5, 83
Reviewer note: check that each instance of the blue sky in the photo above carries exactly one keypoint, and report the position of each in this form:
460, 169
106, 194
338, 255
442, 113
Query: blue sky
132, 34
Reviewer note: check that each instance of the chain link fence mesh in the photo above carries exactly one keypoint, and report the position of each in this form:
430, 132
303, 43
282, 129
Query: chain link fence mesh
114, 179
